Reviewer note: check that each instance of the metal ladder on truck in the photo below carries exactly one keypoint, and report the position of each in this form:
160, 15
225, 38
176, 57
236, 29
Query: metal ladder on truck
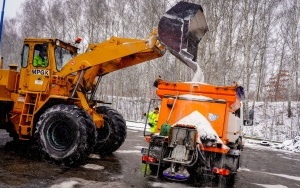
155, 156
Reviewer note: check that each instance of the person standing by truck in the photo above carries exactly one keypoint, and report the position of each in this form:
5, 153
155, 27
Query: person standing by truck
152, 119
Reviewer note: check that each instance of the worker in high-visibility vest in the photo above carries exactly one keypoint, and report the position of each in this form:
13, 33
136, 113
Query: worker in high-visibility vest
153, 119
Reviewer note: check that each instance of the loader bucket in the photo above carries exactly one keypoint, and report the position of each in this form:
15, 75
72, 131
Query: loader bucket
181, 28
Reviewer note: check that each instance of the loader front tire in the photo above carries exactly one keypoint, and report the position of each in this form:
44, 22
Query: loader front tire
66, 133
112, 135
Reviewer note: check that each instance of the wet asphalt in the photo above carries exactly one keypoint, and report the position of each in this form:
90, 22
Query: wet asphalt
22, 167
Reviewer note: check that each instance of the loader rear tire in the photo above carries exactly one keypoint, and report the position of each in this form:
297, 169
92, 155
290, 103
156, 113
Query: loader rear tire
10, 129
112, 135
66, 133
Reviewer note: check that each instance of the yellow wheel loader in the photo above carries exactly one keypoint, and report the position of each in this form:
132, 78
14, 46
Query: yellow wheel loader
50, 99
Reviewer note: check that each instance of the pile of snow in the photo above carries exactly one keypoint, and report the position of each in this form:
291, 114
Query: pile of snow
291, 145
204, 128
93, 166
288, 145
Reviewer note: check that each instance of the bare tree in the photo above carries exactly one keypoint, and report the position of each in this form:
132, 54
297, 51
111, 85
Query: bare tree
33, 18
95, 14
74, 21
11, 43
291, 21
55, 20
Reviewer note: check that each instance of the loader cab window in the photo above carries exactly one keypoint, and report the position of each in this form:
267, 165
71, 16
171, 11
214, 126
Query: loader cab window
40, 57
24, 55
62, 56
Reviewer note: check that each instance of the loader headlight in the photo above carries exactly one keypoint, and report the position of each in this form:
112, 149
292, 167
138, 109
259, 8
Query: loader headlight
57, 42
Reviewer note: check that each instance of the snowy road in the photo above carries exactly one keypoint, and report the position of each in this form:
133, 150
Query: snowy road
265, 167
260, 167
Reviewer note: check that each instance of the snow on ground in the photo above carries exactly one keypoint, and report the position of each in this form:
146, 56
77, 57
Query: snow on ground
279, 175
136, 126
93, 167
271, 186
66, 184
292, 145
79, 182
128, 151
263, 145
271, 121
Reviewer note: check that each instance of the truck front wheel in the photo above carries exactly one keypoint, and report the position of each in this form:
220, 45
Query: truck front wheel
66, 133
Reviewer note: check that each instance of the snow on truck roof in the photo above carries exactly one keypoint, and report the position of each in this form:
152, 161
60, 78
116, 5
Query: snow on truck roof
198, 97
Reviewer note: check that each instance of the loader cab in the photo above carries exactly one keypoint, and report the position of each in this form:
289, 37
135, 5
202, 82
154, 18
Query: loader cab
40, 59
49, 50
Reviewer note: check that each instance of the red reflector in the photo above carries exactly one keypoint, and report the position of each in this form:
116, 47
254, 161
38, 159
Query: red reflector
166, 139
152, 159
144, 158
54, 79
221, 171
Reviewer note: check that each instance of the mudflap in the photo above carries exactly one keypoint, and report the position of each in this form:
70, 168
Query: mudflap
181, 29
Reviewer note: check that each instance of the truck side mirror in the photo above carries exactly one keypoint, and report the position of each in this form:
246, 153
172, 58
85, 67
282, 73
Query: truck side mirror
251, 114
248, 122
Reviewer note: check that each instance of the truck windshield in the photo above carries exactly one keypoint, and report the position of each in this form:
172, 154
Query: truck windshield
62, 56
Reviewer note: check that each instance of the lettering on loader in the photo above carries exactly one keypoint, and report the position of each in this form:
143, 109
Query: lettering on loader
40, 72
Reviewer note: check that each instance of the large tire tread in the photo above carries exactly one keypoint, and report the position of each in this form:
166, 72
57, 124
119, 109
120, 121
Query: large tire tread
83, 143
115, 125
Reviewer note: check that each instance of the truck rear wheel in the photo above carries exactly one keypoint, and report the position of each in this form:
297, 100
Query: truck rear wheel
66, 133
112, 135
227, 181
231, 163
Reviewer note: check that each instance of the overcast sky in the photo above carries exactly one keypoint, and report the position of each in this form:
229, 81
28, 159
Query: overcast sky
11, 7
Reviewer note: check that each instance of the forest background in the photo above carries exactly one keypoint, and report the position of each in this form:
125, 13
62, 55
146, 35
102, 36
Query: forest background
252, 42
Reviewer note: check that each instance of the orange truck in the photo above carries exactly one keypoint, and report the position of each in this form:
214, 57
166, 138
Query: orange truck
199, 132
